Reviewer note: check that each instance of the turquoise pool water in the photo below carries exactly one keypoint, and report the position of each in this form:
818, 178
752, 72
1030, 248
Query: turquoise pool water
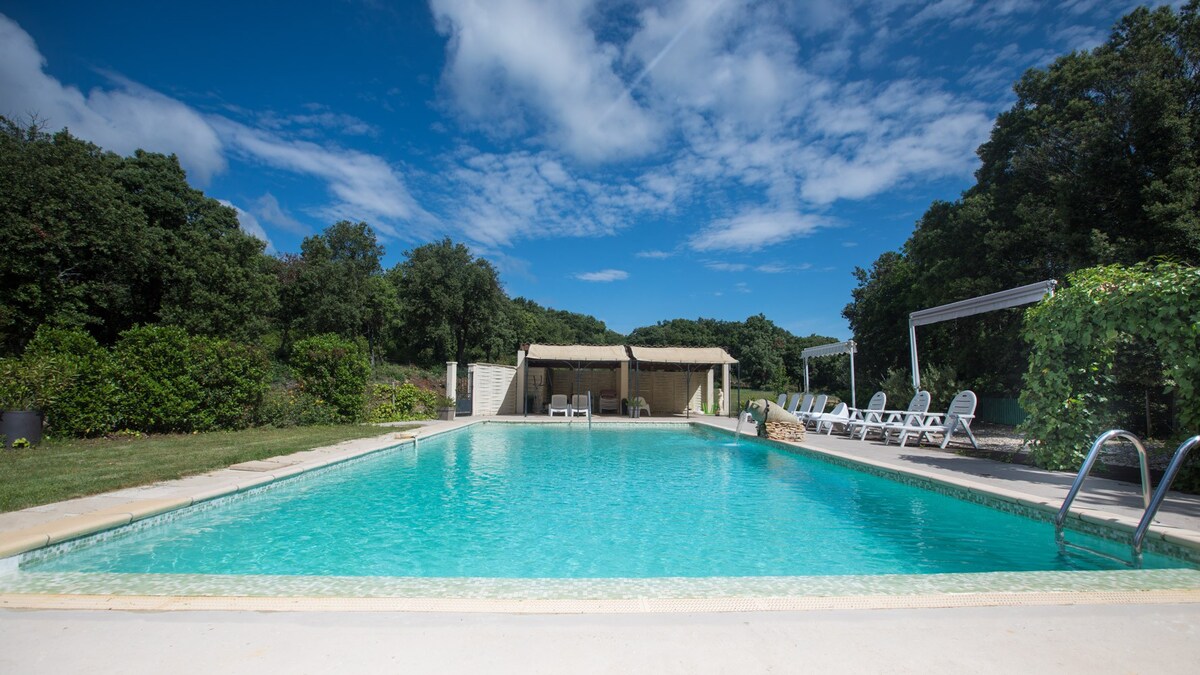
552, 501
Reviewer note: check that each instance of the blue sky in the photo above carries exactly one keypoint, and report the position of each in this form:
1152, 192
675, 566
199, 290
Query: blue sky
637, 161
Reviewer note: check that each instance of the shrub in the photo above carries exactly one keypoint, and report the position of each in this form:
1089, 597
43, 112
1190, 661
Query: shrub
233, 378
401, 403
171, 381
940, 381
334, 370
285, 406
1077, 337
87, 403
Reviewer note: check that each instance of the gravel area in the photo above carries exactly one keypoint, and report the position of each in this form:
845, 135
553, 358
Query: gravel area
1119, 460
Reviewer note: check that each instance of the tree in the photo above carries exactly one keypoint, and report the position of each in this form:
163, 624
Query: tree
1097, 162
96, 241
452, 303
336, 286
530, 322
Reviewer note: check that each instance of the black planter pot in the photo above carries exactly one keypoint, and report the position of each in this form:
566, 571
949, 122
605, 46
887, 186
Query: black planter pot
25, 424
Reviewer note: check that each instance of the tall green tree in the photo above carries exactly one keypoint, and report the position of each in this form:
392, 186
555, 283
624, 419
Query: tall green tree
451, 303
336, 286
96, 241
1097, 162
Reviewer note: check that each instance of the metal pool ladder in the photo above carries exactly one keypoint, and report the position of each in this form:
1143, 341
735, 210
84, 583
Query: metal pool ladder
1151, 503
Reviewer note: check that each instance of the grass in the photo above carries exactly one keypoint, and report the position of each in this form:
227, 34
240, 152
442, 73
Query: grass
750, 395
68, 468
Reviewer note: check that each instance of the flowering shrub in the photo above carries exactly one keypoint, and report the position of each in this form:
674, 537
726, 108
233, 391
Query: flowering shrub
406, 402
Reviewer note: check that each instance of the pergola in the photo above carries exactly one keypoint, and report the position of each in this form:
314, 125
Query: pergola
833, 349
687, 360
1013, 297
574, 357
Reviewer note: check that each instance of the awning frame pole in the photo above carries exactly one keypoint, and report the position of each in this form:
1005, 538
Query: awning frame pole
853, 390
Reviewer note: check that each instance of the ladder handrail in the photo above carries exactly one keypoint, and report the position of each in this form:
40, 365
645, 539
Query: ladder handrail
1161, 493
1084, 470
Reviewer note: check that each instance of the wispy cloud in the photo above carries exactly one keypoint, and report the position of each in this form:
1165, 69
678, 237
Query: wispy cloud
721, 266
128, 116
364, 186
603, 276
754, 230
250, 224
267, 208
654, 255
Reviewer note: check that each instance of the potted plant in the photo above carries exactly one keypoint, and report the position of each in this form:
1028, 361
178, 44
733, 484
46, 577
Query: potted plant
445, 408
27, 387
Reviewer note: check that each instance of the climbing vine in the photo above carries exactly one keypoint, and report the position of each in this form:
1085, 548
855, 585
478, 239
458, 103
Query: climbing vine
1076, 337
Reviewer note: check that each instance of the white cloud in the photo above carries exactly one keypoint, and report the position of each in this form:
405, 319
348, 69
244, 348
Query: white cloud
654, 255
250, 224
603, 276
129, 116
316, 120
754, 230
498, 199
780, 268
122, 119
365, 187
720, 266
512, 64
267, 208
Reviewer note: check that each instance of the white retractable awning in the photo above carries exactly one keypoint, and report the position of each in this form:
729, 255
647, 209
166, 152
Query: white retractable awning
833, 349
1013, 297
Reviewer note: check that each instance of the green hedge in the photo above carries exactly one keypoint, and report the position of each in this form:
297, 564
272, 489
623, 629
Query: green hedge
171, 381
87, 404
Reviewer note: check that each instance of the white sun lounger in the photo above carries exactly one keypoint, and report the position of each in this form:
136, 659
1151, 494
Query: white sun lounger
818, 407
958, 416
918, 407
839, 415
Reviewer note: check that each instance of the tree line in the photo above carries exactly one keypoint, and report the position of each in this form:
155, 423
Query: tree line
1097, 162
103, 243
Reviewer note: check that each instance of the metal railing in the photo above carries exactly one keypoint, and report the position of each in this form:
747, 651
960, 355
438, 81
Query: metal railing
1150, 503
1161, 493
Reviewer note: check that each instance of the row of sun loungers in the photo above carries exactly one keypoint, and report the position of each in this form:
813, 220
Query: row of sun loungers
914, 422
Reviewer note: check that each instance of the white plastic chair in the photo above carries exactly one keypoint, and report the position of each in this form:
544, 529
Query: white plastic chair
805, 406
958, 416
872, 413
918, 407
558, 404
640, 404
782, 400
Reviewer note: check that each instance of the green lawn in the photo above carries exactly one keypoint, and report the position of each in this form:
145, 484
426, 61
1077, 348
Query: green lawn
62, 469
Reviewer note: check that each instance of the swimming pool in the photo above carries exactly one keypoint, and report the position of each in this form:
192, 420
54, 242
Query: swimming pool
562, 502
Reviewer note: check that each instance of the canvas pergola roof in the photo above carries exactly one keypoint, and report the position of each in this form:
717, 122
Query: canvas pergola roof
578, 356
682, 356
